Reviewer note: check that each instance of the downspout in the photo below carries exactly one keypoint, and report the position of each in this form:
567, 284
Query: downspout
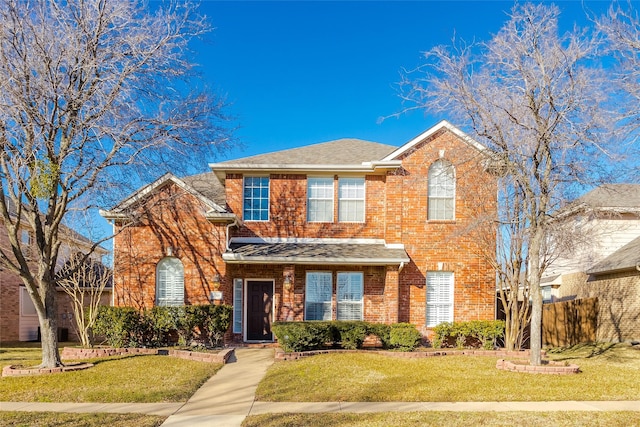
234, 223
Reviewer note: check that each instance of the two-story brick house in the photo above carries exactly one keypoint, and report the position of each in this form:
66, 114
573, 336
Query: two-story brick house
347, 229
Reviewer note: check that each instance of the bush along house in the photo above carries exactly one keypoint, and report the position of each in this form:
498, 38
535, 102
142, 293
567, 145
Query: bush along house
341, 230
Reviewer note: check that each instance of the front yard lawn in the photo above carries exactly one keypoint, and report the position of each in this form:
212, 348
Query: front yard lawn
111, 380
450, 419
608, 373
53, 419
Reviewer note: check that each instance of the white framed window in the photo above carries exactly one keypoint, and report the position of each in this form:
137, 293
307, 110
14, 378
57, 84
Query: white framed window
439, 297
350, 296
351, 199
170, 282
237, 306
320, 199
318, 293
255, 205
27, 308
442, 191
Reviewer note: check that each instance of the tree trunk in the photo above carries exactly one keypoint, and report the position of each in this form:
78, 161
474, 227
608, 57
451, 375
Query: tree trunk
49, 330
535, 337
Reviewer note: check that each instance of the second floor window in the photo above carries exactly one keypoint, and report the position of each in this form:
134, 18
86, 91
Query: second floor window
442, 191
320, 199
256, 198
351, 200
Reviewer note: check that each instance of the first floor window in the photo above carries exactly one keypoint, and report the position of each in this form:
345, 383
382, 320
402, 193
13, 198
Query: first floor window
319, 290
349, 296
170, 282
237, 306
439, 297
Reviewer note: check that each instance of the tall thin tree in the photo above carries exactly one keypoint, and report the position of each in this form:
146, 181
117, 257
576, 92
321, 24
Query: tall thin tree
536, 98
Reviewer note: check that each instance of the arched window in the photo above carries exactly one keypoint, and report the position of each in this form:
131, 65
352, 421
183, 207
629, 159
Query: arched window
170, 282
442, 190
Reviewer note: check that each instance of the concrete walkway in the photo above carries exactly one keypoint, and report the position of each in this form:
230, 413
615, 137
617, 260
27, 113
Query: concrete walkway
229, 396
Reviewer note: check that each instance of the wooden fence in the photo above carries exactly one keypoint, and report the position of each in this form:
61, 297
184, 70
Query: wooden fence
570, 322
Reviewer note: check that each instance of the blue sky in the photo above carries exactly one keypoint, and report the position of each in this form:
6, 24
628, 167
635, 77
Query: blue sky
298, 72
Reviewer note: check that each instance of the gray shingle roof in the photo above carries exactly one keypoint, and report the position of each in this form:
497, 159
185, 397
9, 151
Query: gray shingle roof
613, 195
316, 253
625, 258
346, 151
208, 185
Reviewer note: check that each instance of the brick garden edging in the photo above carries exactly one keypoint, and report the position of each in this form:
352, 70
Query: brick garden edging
550, 367
90, 353
15, 371
282, 356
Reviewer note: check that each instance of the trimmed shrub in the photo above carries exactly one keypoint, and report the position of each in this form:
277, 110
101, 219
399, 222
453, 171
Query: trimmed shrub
350, 334
441, 332
121, 326
216, 321
382, 331
302, 336
479, 332
404, 337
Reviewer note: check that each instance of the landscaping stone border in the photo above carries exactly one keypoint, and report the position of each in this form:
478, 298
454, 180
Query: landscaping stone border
282, 356
549, 367
89, 353
15, 371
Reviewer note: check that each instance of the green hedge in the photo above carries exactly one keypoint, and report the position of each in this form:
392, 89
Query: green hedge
314, 335
158, 326
483, 333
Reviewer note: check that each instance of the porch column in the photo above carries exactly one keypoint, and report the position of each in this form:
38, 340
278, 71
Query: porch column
392, 294
288, 293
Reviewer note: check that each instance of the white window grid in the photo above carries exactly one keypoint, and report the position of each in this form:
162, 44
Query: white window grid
351, 199
320, 199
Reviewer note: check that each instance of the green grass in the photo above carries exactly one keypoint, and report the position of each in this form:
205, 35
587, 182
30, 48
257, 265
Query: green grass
450, 419
608, 374
55, 419
116, 379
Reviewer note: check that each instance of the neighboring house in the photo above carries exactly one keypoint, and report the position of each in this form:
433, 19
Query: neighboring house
606, 262
18, 318
347, 230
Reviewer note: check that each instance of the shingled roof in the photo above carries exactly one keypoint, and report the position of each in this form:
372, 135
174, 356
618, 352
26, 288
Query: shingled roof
208, 185
625, 258
347, 151
315, 253
613, 195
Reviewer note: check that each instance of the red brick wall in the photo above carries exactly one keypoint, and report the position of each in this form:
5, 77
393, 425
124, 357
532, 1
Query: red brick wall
172, 218
396, 211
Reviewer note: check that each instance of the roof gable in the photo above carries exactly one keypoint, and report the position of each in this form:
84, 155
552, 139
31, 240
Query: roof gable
205, 187
442, 125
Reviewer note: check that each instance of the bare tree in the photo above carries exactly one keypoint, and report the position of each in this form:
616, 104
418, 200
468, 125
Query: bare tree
91, 92
536, 98
621, 28
84, 281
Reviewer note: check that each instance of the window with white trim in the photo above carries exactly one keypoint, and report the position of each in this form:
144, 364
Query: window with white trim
170, 282
320, 199
351, 199
255, 205
237, 306
439, 297
349, 296
318, 293
442, 191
